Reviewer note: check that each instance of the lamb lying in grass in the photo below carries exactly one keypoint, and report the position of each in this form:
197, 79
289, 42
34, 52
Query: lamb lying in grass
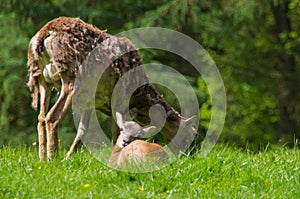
128, 149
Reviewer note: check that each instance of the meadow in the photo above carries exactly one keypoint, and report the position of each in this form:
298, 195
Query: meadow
226, 172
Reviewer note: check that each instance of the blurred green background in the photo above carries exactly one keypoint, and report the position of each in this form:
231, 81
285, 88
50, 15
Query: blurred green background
254, 43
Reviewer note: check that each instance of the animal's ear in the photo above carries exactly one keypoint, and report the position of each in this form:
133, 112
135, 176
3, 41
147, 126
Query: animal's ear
119, 120
190, 120
148, 131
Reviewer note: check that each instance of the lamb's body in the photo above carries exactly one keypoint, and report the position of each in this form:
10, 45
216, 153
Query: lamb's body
138, 151
55, 58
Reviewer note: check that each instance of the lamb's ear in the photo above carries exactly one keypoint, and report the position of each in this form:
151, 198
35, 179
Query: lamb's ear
190, 120
149, 131
119, 120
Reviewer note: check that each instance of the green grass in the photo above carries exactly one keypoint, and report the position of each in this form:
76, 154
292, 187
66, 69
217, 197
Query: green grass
225, 173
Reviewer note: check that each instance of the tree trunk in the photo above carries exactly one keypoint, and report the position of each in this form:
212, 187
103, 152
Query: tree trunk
286, 83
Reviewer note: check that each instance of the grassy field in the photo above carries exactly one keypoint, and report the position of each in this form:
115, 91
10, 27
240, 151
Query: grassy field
225, 173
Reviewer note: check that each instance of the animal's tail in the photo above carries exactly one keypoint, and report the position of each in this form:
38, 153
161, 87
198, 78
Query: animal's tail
34, 72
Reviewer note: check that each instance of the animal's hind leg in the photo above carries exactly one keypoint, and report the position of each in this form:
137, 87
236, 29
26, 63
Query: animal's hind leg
56, 113
45, 93
82, 129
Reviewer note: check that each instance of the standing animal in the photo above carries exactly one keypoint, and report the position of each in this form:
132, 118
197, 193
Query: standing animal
128, 149
56, 57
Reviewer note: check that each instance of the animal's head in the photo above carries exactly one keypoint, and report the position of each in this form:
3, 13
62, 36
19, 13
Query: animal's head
180, 132
130, 130
174, 122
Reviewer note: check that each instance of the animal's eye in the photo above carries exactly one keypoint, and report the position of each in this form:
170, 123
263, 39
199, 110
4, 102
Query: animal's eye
172, 117
121, 129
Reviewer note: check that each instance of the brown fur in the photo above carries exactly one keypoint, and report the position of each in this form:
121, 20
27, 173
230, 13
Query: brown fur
138, 151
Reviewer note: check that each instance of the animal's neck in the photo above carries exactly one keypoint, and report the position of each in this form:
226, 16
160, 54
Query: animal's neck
116, 149
118, 145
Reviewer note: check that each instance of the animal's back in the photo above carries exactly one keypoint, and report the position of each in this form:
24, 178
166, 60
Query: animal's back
145, 151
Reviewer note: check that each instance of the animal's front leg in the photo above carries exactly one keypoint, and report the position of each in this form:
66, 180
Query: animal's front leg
55, 115
82, 129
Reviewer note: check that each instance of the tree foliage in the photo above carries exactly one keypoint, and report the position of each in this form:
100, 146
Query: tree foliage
255, 44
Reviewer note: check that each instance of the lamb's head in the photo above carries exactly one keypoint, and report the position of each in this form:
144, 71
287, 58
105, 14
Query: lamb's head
130, 130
